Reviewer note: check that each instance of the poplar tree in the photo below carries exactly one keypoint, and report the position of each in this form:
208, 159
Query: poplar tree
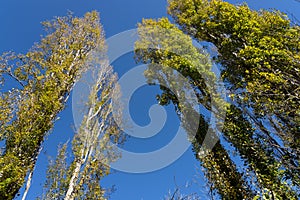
45, 77
77, 174
258, 53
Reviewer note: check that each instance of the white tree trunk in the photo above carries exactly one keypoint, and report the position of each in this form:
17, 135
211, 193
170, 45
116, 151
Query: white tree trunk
28, 184
73, 181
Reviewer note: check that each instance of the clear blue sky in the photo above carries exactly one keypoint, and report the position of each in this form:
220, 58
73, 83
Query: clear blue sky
20, 28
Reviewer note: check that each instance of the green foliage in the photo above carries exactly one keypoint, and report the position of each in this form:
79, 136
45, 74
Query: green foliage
259, 56
92, 150
46, 75
57, 178
259, 51
177, 51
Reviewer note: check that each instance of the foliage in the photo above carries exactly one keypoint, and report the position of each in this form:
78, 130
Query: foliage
92, 150
176, 51
46, 75
259, 56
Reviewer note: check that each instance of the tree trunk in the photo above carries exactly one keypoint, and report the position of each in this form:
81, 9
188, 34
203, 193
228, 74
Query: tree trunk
73, 181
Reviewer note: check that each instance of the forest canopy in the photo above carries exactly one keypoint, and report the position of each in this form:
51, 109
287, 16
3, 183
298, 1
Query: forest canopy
251, 152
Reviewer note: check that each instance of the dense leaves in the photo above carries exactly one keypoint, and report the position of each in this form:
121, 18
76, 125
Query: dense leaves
259, 56
257, 52
46, 75
177, 51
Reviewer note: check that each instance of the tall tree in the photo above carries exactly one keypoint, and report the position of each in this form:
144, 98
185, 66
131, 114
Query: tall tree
176, 50
259, 56
92, 150
259, 51
46, 75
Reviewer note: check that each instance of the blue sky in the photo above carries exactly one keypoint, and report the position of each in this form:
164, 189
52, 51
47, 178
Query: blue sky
20, 28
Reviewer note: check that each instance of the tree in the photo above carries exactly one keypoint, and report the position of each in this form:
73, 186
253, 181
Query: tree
177, 51
259, 56
92, 150
46, 75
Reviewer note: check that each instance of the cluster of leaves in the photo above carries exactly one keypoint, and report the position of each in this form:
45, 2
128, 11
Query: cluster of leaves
92, 150
258, 53
177, 51
259, 56
46, 75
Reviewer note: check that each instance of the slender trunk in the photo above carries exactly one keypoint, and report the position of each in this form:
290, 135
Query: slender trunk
29, 179
73, 181
28, 184
79, 163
